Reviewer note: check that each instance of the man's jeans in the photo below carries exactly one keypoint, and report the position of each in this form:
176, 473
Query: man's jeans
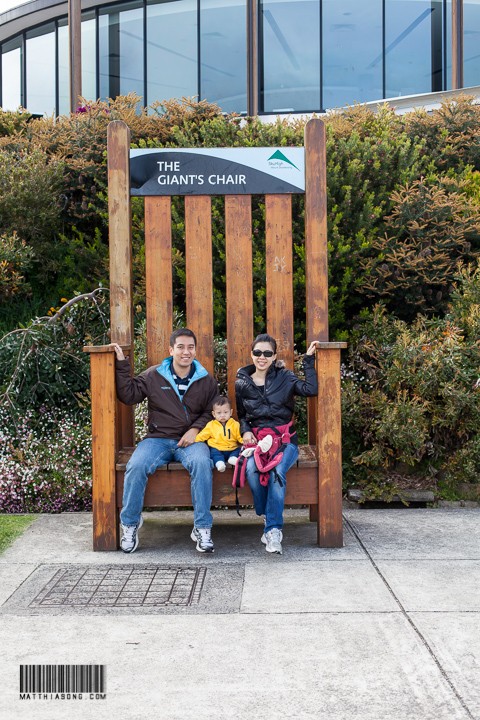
269, 500
152, 453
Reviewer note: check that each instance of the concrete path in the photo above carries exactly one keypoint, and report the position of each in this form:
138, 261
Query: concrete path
386, 628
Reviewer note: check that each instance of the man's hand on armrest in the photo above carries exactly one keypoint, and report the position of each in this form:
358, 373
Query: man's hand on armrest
118, 351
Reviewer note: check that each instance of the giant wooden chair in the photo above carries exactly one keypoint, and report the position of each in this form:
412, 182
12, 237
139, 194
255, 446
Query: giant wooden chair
316, 480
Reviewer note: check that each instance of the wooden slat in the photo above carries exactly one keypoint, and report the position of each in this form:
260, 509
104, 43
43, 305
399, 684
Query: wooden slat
316, 265
329, 442
102, 386
120, 244
239, 282
279, 272
158, 265
199, 285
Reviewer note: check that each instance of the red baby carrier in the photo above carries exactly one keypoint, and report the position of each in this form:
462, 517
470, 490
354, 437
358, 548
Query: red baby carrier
265, 461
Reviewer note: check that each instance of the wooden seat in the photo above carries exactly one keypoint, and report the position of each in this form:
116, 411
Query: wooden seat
170, 485
316, 479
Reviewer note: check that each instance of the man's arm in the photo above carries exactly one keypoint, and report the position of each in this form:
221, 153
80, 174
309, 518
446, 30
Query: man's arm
130, 390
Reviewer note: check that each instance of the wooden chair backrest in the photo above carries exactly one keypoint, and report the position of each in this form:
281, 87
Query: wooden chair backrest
198, 259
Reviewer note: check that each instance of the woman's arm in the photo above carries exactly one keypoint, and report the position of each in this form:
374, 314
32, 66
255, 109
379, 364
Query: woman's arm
309, 386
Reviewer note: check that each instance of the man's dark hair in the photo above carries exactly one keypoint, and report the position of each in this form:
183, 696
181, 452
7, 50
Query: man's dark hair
221, 400
179, 333
265, 338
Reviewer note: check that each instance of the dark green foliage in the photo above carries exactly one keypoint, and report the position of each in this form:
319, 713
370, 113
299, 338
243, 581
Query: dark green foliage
42, 364
15, 258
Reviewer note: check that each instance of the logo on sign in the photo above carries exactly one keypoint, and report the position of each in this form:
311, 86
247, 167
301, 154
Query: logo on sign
279, 160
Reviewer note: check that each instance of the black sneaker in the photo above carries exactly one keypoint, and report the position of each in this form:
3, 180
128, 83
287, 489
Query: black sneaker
203, 538
129, 541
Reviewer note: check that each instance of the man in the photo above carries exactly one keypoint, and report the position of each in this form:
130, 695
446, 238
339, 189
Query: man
180, 394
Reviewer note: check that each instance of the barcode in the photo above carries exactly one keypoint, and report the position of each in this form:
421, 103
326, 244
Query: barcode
63, 678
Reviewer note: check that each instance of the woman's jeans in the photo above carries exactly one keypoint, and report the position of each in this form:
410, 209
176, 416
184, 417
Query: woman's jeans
269, 500
152, 453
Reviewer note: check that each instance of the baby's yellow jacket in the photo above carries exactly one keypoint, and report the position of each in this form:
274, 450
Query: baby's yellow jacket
221, 437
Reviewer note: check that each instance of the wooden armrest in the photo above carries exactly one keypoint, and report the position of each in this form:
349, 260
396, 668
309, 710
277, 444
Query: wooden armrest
104, 348
332, 345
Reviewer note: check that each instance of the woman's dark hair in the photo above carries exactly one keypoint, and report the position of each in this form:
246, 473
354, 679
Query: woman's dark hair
264, 337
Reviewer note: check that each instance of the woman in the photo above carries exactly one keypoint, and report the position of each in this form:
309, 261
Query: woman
265, 400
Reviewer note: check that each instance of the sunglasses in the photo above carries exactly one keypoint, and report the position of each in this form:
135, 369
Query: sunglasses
265, 353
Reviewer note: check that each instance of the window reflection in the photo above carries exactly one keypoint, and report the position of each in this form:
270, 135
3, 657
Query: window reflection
352, 51
121, 50
471, 39
413, 47
223, 52
89, 59
291, 55
172, 55
11, 75
40, 71
63, 70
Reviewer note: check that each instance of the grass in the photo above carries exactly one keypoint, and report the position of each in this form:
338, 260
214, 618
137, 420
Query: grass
11, 526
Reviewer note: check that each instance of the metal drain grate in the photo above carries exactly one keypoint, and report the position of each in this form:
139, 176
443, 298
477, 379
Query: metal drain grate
122, 586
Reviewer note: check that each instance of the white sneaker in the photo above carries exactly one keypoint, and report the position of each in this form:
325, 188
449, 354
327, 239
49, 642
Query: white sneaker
220, 465
263, 539
265, 443
129, 541
232, 460
274, 541
203, 538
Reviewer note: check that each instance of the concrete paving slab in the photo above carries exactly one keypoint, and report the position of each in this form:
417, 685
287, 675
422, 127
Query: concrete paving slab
165, 538
434, 585
455, 639
416, 533
11, 577
327, 667
349, 586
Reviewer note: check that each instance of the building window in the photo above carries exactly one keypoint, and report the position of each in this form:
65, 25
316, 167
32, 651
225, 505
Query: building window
290, 33
223, 53
40, 70
12, 74
352, 51
121, 46
172, 49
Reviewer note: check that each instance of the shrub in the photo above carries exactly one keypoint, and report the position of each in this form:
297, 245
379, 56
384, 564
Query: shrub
430, 229
42, 364
411, 406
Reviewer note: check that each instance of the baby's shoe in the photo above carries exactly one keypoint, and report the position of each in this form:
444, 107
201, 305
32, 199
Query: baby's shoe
220, 465
265, 443
232, 460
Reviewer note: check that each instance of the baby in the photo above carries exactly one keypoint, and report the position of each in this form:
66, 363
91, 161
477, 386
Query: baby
222, 434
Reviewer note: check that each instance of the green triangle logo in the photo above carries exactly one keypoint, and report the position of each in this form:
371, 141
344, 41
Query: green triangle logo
278, 155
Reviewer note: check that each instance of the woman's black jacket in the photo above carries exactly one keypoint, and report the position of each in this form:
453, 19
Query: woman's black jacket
273, 405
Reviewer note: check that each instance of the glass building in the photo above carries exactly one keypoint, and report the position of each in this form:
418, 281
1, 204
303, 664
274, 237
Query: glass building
265, 56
